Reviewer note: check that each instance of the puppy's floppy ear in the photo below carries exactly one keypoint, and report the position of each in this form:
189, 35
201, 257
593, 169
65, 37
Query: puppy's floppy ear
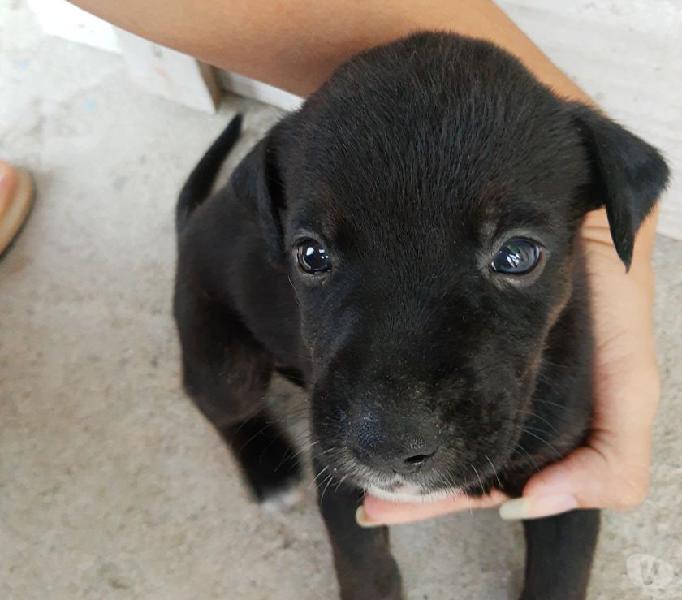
271, 199
628, 175
259, 174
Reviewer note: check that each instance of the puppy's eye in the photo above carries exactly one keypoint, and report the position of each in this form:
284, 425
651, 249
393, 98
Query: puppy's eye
312, 257
517, 256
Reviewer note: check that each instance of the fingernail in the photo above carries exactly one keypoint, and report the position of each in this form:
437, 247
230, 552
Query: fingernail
534, 508
363, 520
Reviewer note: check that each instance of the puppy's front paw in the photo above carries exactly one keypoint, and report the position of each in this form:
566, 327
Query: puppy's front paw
282, 500
395, 595
388, 586
267, 458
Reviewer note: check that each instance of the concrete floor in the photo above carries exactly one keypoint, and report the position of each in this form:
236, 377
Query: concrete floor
111, 485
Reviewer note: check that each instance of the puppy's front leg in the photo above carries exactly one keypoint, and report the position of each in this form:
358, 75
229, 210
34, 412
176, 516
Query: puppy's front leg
559, 554
364, 566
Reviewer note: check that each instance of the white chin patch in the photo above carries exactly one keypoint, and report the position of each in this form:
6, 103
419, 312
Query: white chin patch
407, 492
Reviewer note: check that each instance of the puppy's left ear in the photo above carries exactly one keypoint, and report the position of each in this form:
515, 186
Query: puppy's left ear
258, 177
271, 200
628, 175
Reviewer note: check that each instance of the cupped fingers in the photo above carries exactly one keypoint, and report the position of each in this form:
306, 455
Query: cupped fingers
375, 511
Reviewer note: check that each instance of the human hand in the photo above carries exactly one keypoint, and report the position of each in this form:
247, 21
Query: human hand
612, 469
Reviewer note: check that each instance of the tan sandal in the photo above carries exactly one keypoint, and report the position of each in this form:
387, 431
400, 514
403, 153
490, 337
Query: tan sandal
16, 198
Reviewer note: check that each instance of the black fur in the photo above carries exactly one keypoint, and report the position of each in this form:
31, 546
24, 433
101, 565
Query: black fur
412, 166
200, 181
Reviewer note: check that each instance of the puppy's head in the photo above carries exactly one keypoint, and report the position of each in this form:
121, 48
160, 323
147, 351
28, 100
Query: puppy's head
426, 203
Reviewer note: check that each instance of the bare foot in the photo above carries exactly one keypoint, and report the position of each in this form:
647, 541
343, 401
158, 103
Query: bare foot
16, 194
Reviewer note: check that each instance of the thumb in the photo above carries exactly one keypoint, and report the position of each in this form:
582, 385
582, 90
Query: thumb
586, 478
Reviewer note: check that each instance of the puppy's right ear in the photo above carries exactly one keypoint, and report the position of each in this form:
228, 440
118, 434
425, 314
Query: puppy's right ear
259, 173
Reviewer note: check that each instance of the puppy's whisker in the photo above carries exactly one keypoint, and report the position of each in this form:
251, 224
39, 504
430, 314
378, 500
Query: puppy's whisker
480, 483
536, 466
322, 471
330, 478
543, 440
548, 402
471, 511
499, 483
539, 417
303, 449
255, 435
340, 483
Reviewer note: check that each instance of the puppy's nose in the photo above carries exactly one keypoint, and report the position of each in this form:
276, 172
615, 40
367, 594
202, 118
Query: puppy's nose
412, 463
389, 451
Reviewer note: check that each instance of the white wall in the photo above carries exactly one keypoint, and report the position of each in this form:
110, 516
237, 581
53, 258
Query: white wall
627, 54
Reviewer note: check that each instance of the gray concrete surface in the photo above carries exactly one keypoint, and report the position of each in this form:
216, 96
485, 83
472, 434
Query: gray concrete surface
111, 485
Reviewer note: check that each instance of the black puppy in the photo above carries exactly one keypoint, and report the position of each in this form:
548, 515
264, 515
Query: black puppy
405, 246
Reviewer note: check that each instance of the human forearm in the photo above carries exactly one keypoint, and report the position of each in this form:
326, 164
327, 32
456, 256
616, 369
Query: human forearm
296, 44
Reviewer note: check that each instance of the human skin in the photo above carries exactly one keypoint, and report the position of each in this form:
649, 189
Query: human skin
16, 196
295, 45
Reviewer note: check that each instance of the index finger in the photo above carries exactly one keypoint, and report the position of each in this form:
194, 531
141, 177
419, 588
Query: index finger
375, 511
